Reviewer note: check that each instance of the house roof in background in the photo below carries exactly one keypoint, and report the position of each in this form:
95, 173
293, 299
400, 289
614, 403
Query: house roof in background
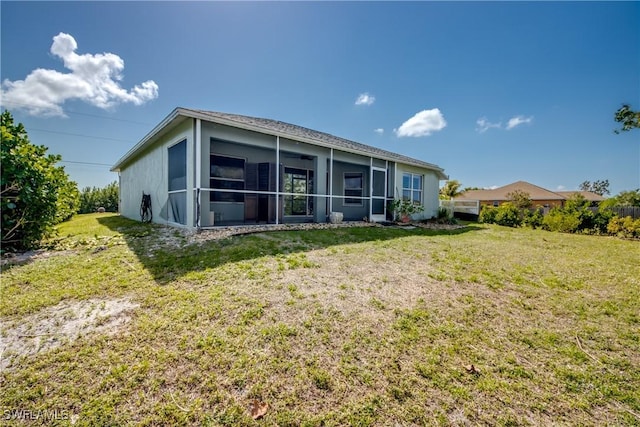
275, 128
501, 193
535, 193
589, 195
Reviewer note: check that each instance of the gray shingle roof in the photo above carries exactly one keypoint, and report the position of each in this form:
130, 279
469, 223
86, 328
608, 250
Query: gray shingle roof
275, 127
295, 131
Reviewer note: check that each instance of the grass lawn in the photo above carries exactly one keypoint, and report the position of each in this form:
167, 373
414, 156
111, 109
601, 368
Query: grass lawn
356, 326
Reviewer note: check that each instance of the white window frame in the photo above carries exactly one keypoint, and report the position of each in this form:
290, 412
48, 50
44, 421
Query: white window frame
410, 189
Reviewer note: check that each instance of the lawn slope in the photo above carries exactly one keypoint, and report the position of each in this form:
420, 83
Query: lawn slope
355, 326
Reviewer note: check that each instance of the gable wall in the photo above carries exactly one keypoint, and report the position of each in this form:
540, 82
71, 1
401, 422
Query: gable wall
148, 174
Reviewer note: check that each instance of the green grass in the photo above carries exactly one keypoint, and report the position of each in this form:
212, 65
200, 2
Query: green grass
357, 326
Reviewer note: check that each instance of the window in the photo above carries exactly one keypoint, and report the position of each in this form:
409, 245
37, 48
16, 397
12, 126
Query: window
496, 203
227, 173
412, 188
177, 177
298, 181
178, 166
353, 187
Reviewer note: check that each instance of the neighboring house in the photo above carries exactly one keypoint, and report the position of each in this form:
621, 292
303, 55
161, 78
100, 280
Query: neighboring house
540, 197
592, 197
205, 168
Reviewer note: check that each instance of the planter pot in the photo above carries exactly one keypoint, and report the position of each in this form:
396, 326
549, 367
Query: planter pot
335, 217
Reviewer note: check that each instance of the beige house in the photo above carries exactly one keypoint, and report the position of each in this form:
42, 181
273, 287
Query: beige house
541, 197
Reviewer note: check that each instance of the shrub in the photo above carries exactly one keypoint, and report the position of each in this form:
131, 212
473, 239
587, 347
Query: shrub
559, 220
487, 215
533, 218
93, 198
624, 227
404, 208
601, 221
36, 194
574, 216
507, 214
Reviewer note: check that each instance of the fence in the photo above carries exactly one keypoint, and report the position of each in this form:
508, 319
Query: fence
622, 211
463, 209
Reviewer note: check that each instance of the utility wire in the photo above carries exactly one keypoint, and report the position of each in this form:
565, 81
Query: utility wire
79, 134
21, 104
85, 163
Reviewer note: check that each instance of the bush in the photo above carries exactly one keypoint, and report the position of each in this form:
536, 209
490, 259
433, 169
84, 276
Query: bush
559, 220
508, 214
487, 215
601, 221
624, 227
36, 194
533, 219
575, 216
93, 198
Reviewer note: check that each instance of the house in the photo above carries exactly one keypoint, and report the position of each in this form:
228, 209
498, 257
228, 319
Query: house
205, 169
539, 196
592, 197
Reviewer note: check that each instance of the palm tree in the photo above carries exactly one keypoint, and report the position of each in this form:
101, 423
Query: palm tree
451, 189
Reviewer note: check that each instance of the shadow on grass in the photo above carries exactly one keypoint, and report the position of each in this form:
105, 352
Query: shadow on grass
167, 254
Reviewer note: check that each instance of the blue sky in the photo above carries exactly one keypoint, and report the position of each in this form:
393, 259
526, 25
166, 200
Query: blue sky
493, 92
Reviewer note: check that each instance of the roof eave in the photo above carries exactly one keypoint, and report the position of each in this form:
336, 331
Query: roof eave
265, 130
146, 140
260, 129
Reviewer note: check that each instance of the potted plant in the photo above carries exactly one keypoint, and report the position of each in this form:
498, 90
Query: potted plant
403, 209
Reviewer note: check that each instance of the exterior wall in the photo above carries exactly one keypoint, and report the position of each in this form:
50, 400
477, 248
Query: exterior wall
430, 189
148, 174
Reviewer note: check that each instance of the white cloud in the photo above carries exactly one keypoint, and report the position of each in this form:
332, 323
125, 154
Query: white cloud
492, 187
484, 125
365, 99
561, 187
379, 131
94, 79
423, 123
518, 120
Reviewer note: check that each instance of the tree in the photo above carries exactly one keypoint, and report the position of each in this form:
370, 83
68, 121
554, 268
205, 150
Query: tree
450, 190
92, 198
520, 199
625, 198
630, 119
598, 187
35, 194
629, 198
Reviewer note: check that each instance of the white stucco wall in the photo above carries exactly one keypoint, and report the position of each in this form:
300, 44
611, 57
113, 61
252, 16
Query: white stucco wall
431, 188
148, 173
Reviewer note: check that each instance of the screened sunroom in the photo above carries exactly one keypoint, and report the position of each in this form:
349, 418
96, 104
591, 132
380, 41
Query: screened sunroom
206, 169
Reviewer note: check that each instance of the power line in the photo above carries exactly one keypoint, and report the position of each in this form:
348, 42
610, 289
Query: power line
79, 134
21, 104
85, 163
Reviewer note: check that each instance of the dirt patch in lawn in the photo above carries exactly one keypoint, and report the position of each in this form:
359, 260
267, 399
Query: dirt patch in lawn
60, 324
30, 256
